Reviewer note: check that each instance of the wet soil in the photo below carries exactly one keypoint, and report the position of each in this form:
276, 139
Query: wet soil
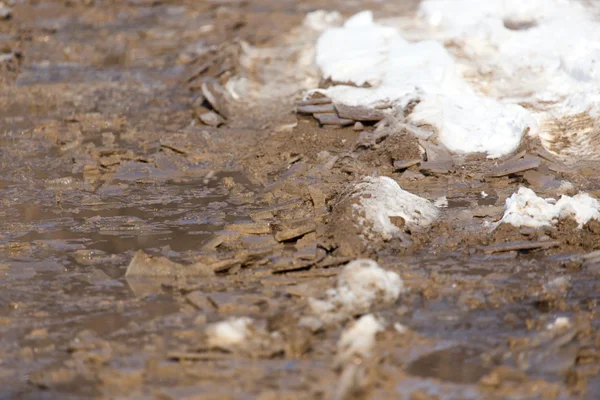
104, 152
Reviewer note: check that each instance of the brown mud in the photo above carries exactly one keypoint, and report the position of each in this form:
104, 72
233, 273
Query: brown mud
110, 146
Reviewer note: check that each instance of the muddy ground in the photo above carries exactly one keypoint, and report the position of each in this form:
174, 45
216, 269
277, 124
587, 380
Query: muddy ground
103, 153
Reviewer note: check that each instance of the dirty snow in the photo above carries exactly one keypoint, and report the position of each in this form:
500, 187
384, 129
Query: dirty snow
559, 323
545, 53
363, 52
525, 208
382, 198
361, 285
229, 333
358, 340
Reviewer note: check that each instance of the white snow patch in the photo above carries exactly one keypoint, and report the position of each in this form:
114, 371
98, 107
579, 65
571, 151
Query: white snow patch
382, 198
542, 52
361, 285
230, 333
397, 73
559, 323
525, 208
358, 340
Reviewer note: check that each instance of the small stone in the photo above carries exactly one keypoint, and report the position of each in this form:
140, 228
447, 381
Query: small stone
358, 126
211, 118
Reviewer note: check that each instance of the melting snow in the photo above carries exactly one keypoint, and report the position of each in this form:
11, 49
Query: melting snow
382, 198
231, 332
358, 339
361, 285
525, 208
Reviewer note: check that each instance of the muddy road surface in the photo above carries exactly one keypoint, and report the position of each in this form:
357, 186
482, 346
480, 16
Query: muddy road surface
159, 240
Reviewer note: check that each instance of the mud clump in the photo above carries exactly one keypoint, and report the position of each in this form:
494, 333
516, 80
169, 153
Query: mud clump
374, 211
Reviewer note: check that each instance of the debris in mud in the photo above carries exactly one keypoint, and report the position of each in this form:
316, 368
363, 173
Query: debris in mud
524, 208
377, 208
230, 333
143, 264
216, 96
245, 336
361, 285
332, 119
520, 245
357, 341
359, 113
211, 118
5, 11
515, 166
353, 351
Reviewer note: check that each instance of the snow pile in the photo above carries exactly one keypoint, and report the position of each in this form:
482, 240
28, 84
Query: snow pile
361, 285
357, 341
390, 72
382, 198
230, 333
545, 53
525, 208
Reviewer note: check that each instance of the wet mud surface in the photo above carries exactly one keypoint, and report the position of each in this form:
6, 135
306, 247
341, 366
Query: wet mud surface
107, 153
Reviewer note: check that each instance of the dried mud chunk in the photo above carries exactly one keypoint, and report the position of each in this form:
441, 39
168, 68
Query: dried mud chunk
216, 96
358, 113
332, 119
516, 166
143, 264
436, 167
316, 109
294, 232
365, 215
